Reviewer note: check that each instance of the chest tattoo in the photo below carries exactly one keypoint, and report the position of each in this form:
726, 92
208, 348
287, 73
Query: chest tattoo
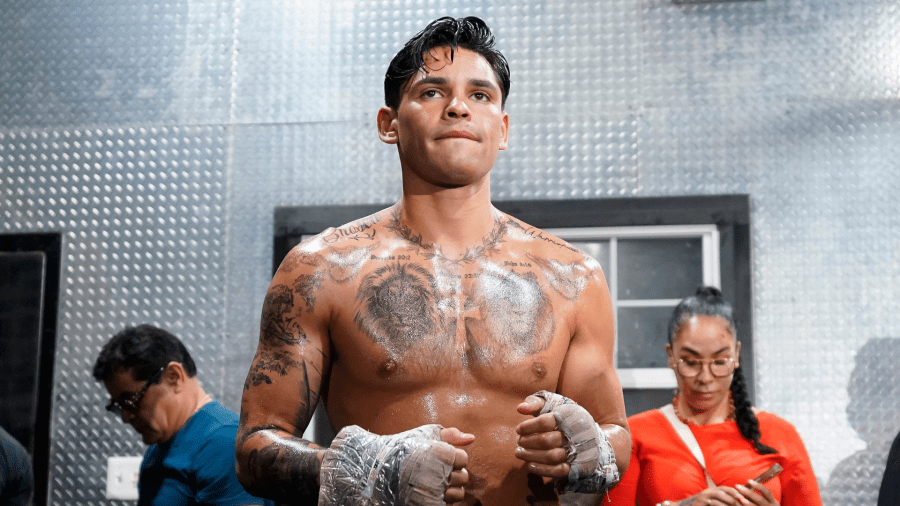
398, 307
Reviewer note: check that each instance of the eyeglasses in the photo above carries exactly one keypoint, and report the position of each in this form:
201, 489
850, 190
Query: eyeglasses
131, 405
719, 367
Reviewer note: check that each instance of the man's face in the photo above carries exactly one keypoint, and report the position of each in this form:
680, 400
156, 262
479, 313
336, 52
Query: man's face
450, 124
150, 418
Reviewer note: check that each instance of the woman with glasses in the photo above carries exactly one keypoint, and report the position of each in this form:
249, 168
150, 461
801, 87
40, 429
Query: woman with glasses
710, 446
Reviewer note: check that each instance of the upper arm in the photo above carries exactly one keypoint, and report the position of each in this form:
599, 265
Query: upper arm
588, 375
801, 486
282, 387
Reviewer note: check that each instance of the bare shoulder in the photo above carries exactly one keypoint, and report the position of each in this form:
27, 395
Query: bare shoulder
343, 245
568, 269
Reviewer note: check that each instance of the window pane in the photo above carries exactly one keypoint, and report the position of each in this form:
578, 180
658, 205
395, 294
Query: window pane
659, 268
640, 400
599, 251
642, 336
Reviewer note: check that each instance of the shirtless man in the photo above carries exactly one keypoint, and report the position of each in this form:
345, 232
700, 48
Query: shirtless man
426, 327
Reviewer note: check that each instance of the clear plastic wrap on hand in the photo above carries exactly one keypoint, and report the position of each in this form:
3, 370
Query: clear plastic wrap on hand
592, 461
365, 469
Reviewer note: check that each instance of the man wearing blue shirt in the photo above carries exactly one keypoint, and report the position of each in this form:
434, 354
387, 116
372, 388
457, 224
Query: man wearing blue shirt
151, 379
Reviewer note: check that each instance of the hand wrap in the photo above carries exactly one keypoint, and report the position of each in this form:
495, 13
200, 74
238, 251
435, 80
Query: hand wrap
365, 469
592, 461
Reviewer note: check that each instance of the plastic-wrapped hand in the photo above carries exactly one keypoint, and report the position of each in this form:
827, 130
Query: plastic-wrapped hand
562, 441
419, 467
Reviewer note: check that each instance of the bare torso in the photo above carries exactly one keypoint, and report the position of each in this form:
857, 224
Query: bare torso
418, 338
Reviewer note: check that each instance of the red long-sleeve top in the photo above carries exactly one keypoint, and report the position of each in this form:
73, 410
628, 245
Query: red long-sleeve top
662, 468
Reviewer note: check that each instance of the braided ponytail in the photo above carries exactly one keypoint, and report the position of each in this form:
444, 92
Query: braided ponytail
708, 301
746, 419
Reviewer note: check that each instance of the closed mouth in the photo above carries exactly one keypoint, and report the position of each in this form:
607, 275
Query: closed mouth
458, 134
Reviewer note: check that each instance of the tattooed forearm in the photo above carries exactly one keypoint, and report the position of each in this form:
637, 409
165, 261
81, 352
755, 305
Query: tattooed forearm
283, 469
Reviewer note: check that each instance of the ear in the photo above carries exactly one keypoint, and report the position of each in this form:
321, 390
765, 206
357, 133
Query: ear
174, 376
504, 137
387, 125
737, 352
670, 358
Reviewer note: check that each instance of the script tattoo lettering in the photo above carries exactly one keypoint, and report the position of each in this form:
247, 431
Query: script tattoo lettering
539, 234
360, 230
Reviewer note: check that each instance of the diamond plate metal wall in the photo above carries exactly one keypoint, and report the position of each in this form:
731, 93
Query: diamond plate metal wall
160, 136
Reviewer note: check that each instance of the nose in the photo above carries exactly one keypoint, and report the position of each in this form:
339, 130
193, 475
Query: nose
457, 108
706, 374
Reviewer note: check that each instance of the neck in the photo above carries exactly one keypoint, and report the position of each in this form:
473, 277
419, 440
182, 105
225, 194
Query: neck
194, 399
718, 414
451, 220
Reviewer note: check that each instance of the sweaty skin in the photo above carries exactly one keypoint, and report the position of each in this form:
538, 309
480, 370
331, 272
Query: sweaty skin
419, 338
440, 309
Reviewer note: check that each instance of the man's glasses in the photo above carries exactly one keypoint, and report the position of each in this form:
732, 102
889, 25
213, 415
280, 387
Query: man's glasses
131, 405
719, 367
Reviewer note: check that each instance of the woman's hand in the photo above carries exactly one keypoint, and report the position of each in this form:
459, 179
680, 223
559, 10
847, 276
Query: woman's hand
719, 496
752, 494
757, 494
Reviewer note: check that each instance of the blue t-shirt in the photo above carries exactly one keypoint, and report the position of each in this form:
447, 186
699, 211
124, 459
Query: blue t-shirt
196, 466
16, 478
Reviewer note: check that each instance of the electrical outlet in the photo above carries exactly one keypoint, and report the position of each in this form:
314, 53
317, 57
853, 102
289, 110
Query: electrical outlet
122, 477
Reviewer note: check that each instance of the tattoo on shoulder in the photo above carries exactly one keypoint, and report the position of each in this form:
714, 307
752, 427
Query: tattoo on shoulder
567, 279
345, 263
278, 324
296, 258
359, 230
306, 285
539, 234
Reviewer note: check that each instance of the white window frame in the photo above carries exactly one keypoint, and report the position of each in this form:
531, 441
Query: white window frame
648, 377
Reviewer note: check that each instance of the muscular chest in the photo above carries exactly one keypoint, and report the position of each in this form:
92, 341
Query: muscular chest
486, 316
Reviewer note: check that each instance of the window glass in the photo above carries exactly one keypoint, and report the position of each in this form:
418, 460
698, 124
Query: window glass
659, 268
642, 336
638, 400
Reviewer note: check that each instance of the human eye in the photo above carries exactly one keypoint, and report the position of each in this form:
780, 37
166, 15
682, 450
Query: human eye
431, 93
721, 362
481, 96
690, 362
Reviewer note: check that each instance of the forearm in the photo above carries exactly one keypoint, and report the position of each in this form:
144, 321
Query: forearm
273, 464
620, 440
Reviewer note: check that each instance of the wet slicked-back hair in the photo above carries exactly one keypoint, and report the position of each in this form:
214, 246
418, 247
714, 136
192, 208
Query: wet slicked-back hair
143, 350
468, 33
708, 301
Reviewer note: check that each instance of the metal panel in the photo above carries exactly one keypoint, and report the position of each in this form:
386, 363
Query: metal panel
160, 136
143, 211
